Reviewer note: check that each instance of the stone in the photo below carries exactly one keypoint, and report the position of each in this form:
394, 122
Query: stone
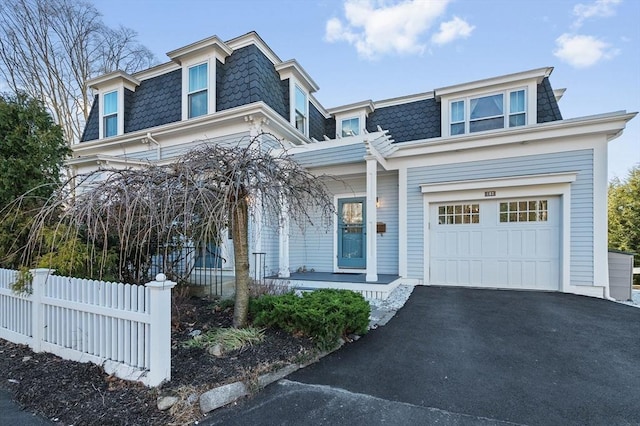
267, 379
221, 396
26, 359
216, 350
166, 402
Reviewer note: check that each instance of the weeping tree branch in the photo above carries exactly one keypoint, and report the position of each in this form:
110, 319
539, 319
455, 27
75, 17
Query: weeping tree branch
154, 210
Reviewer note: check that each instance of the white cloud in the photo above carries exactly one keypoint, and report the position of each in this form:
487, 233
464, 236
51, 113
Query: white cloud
582, 51
384, 26
452, 30
598, 9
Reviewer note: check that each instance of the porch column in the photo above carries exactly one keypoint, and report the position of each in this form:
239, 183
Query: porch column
283, 240
372, 218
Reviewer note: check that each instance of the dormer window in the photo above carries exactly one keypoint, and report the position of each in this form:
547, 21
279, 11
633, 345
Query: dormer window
301, 86
112, 88
457, 118
487, 112
517, 111
301, 113
198, 90
350, 127
351, 119
110, 114
198, 62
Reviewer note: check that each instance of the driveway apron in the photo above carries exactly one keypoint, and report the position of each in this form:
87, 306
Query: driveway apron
467, 356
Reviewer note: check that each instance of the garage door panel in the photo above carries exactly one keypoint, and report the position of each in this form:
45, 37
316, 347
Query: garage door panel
452, 271
516, 243
475, 243
515, 274
546, 241
502, 268
439, 271
464, 243
464, 271
530, 273
491, 252
475, 272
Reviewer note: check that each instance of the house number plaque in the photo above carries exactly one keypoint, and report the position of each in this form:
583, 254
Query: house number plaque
489, 193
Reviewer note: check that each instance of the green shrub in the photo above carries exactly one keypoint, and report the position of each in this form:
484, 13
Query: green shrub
324, 315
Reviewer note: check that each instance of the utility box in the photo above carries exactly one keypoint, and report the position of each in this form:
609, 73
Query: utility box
620, 274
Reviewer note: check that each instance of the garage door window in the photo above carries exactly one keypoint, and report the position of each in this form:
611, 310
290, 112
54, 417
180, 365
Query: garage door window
523, 211
456, 214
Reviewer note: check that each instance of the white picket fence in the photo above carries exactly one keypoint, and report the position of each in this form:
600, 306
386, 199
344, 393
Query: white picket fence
125, 328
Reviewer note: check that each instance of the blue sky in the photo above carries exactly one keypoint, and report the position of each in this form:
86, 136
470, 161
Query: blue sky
377, 49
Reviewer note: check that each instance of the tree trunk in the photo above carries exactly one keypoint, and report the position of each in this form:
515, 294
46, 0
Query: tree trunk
240, 232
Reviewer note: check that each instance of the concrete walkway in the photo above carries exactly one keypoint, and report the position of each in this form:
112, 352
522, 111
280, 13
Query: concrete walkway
464, 356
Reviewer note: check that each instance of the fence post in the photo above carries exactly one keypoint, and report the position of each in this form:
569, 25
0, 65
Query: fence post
160, 339
40, 276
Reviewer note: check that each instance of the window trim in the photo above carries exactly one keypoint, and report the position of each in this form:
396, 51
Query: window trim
540, 210
114, 114
198, 91
195, 61
459, 213
294, 108
119, 114
340, 131
506, 110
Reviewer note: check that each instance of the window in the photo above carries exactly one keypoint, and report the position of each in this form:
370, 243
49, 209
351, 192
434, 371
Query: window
456, 214
517, 114
523, 211
488, 112
457, 118
197, 97
110, 114
301, 110
350, 127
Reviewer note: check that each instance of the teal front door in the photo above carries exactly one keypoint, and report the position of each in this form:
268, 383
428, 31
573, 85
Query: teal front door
351, 233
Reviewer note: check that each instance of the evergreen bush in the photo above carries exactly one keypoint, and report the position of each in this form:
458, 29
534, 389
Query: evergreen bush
325, 315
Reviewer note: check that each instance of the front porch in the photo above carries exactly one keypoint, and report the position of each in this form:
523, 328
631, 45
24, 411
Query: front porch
306, 281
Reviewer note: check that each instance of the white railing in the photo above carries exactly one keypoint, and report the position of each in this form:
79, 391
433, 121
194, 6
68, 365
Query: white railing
125, 328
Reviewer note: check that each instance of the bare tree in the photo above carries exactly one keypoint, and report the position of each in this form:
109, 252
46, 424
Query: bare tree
148, 210
51, 48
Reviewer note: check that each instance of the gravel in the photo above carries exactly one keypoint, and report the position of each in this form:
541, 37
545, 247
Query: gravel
383, 310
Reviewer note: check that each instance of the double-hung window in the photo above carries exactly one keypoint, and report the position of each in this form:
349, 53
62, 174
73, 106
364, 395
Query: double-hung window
301, 109
488, 112
197, 97
517, 112
110, 114
457, 118
350, 127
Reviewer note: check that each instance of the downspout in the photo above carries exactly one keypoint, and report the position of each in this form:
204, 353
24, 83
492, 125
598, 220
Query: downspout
150, 138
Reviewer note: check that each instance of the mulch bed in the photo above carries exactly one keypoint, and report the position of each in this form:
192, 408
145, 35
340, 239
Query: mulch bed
73, 393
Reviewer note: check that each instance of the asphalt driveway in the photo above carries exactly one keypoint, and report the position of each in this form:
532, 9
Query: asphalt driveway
465, 356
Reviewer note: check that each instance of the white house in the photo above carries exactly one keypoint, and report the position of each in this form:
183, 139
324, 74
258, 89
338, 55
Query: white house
479, 184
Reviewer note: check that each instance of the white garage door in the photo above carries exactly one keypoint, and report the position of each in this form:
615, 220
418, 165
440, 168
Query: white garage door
512, 243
